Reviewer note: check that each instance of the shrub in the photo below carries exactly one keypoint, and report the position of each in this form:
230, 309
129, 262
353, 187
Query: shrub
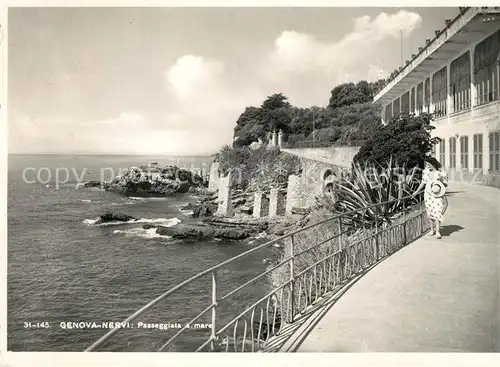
406, 139
258, 169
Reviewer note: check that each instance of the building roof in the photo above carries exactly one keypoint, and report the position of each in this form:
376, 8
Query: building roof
468, 26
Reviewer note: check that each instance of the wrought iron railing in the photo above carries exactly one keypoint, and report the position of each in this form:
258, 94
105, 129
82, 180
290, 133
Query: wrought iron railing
316, 260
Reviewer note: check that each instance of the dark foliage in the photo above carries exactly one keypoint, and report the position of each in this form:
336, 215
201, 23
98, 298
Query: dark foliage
406, 140
350, 116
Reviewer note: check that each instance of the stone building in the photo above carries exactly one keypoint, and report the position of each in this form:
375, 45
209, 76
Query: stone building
456, 77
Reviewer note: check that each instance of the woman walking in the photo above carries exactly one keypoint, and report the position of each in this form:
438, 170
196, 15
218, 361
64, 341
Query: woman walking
435, 181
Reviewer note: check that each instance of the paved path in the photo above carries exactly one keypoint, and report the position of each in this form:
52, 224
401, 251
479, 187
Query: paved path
432, 296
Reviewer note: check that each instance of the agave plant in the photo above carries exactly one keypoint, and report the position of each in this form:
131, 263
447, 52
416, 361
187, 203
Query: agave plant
374, 192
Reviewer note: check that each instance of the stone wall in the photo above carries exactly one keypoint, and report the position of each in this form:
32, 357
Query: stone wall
303, 190
341, 156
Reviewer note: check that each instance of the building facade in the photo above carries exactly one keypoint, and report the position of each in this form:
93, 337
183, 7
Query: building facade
456, 77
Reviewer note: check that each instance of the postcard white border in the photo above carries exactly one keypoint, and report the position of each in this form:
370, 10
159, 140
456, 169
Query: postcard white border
28, 359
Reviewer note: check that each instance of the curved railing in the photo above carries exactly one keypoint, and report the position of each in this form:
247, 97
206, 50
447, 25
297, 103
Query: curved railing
315, 261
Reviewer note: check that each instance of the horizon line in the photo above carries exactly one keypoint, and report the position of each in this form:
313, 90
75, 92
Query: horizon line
116, 154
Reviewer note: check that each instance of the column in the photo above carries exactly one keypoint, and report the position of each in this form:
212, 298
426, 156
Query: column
225, 206
473, 91
214, 178
276, 203
431, 104
292, 193
274, 139
260, 205
280, 138
449, 98
415, 99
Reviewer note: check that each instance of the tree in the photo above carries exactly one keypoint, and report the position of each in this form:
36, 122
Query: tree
406, 140
350, 116
277, 100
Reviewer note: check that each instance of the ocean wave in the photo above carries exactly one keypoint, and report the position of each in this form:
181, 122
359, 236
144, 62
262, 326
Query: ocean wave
124, 203
140, 232
151, 198
187, 213
166, 222
85, 200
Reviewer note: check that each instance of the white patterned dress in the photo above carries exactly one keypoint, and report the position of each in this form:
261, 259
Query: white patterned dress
435, 207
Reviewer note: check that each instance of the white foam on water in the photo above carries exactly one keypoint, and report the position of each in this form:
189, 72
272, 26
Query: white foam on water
90, 221
187, 213
166, 222
124, 203
139, 198
140, 232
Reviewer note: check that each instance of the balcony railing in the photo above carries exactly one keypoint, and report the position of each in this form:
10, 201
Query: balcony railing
311, 270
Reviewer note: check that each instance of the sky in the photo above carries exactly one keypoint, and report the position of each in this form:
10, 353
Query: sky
174, 80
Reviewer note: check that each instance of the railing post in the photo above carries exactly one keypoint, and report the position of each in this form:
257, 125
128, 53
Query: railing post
340, 232
377, 242
214, 311
292, 279
404, 223
341, 254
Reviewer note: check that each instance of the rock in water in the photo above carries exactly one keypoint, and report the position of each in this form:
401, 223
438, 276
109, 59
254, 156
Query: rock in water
114, 217
92, 184
231, 233
186, 231
204, 210
167, 181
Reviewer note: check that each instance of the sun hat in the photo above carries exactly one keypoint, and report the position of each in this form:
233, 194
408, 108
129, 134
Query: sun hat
436, 188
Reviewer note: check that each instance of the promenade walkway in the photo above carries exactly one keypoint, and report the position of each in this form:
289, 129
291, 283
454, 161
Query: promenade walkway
431, 296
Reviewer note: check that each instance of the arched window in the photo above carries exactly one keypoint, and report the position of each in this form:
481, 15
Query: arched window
486, 75
460, 82
439, 92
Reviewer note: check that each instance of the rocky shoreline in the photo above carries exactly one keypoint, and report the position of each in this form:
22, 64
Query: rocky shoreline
170, 180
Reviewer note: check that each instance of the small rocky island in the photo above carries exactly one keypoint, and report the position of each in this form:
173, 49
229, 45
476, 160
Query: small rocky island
153, 181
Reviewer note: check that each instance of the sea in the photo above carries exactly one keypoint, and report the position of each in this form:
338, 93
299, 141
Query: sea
69, 278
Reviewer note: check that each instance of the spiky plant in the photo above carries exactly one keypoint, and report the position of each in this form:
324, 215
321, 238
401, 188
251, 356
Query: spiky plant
375, 192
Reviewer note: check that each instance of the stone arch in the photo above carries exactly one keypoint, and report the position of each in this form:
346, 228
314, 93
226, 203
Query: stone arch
327, 174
